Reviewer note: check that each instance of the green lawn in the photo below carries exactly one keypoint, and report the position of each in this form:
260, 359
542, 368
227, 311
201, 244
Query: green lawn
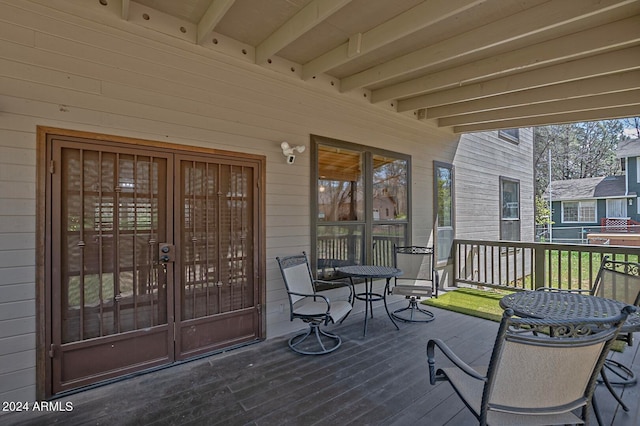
574, 270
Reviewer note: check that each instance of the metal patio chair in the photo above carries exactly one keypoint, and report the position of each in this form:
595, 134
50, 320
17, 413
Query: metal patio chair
313, 308
533, 378
617, 280
419, 279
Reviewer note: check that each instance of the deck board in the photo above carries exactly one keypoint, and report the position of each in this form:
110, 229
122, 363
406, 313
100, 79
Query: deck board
381, 379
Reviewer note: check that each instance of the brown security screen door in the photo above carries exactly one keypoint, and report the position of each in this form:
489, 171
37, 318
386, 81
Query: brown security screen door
153, 258
217, 288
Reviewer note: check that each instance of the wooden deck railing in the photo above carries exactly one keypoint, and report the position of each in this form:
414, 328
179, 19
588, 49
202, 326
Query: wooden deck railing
336, 251
527, 266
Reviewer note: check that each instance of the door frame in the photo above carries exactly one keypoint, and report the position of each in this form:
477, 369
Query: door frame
44, 230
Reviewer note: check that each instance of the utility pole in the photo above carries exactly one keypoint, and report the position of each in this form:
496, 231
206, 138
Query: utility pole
550, 205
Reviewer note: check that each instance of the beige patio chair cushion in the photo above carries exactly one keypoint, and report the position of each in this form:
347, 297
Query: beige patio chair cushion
471, 389
299, 281
339, 309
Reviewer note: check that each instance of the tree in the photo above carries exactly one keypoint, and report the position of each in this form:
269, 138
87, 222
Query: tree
578, 150
634, 124
542, 211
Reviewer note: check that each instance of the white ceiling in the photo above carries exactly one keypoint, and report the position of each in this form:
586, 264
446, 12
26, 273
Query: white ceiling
466, 64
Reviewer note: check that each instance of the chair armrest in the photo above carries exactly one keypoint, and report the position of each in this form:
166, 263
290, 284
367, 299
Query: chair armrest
433, 374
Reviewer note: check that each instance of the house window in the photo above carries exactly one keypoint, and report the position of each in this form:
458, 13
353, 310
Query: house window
637, 168
509, 209
512, 135
617, 208
444, 199
579, 211
361, 205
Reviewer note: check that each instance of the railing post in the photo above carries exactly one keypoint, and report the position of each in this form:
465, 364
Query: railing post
539, 266
454, 272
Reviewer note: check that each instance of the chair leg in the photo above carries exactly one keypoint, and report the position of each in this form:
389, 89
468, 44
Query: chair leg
310, 348
624, 373
608, 384
415, 313
596, 410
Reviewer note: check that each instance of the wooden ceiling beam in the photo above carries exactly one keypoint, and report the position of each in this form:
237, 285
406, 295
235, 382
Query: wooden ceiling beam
214, 13
414, 19
306, 19
607, 63
615, 35
547, 17
573, 117
588, 87
606, 101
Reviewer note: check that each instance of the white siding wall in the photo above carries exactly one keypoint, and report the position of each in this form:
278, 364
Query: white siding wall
62, 71
480, 160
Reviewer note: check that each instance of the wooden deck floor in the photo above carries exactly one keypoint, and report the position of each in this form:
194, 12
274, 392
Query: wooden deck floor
378, 380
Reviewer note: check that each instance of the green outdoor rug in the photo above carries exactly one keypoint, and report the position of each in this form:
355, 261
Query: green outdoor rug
479, 303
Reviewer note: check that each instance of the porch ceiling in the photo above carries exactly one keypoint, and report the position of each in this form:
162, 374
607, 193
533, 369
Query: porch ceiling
471, 65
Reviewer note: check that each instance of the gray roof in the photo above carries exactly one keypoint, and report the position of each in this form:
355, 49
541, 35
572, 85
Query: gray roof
580, 189
628, 148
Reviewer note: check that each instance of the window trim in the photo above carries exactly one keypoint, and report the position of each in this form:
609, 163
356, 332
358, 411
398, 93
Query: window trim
624, 203
503, 134
502, 180
451, 167
368, 222
595, 203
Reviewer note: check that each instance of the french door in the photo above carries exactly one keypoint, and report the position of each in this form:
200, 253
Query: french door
153, 257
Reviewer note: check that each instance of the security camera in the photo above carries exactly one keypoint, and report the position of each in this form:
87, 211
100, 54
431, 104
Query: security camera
288, 150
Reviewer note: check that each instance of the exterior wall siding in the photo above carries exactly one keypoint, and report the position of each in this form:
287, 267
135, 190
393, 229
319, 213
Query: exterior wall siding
58, 70
633, 186
480, 160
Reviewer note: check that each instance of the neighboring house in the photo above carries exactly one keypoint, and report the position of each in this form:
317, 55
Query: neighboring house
494, 186
591, 208
494, 197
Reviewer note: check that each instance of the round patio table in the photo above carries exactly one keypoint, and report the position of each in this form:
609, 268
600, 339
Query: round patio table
566, 305
370, 273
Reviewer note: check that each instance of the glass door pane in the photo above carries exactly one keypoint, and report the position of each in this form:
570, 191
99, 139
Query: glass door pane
340, 185
338, 245
389, 188
217, 233
112, 220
